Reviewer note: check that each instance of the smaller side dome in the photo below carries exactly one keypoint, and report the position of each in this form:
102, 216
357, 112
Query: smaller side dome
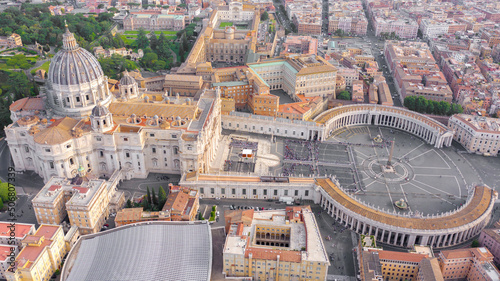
127, 79
99, 110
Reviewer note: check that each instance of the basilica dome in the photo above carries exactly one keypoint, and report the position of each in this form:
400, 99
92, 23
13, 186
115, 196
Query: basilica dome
74, 65
76, 82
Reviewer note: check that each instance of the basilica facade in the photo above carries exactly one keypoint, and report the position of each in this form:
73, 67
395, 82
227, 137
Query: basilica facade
78, 123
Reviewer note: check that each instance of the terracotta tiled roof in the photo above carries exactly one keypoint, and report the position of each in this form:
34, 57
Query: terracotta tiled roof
151, 109
478, 205
268, 254
401, 256
176, 202
29, 103
317, 69
457, 254
58, 132
129, 214
20, 230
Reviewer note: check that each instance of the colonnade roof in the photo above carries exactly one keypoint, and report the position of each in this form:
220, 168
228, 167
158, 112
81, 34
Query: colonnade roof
327, 115
477, 206
237, 178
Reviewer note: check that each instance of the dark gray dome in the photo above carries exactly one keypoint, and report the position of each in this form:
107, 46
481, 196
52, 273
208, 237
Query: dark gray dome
127, 79
99, 110
73, 65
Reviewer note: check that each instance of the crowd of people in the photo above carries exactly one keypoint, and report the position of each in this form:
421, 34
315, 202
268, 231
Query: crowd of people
244, 144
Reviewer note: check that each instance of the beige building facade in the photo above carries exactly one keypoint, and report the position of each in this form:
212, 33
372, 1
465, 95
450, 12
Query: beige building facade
480, 135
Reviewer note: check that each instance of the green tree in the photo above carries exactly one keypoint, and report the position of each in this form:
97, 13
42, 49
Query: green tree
444, 107
200, 216
163, 47
475, 244
421, 104
162, 196
4, 192
153, 197
344, 95
184, 40
1, 203
129, 204
153, 41
148, 197
100, 6
430, 108
146, 206
264, 16
181, 55
410, 102
142, 40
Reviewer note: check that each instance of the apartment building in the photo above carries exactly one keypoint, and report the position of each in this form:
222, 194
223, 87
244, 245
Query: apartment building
480, 135
41, 255
473, 264
85, 201
400, 265
490, 238
16, 233
491, 35
403, 27
265, 245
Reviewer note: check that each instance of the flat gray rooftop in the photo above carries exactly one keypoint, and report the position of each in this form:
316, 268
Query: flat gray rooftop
146, 251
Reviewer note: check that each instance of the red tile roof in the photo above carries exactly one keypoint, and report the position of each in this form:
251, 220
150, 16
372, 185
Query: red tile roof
20, 229
80, 189
29, 103
54, 187
401, 256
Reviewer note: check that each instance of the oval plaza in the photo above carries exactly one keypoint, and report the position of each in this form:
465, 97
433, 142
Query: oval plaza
402, 230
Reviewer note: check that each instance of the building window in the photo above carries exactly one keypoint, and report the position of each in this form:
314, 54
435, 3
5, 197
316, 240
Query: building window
306, 193
151, 135
255, 192
275, 192
47, 150
265, 192
286, 192
223, 191
101, 153
125, 139
51, 164
174, 136
296, 193
201, 190
212, 190
153, 149
233, 191
71, 162
127, 154
244, 191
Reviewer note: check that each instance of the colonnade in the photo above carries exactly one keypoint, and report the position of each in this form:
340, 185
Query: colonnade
422, 126
405, 237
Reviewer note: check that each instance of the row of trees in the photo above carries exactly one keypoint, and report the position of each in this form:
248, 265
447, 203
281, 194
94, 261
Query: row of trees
423, 105
35, 23
151, 202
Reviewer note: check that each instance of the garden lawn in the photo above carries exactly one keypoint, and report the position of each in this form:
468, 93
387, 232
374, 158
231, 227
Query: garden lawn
225, 23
